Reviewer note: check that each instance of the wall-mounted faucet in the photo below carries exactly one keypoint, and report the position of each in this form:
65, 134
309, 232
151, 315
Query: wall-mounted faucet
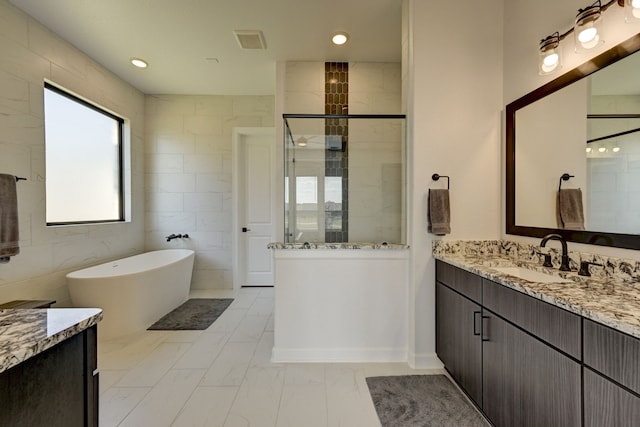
177, 236
564, 264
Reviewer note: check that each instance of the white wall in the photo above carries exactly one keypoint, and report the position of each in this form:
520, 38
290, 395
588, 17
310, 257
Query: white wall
188, 176
525, 23
454, 99
29, 53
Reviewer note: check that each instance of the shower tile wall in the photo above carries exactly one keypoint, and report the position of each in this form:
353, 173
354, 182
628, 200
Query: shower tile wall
188, 175
373, 88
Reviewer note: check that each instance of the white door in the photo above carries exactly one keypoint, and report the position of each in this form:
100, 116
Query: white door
256, 210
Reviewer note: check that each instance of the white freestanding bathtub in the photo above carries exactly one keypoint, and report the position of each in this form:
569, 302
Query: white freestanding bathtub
133, 292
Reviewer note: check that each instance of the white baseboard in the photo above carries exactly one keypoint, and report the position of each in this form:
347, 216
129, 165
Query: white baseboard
352, 355
425, 361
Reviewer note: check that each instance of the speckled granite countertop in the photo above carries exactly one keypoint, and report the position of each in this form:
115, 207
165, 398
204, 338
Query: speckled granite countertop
307, 245
611, 296
28, 332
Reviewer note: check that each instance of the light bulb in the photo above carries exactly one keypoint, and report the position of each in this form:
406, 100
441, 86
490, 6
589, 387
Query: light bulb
339, 38
602, 149
588, 149
616, 149
550, 62
140, 63
589, 37
635, 8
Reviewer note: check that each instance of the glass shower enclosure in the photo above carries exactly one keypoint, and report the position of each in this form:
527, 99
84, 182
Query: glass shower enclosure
344, 178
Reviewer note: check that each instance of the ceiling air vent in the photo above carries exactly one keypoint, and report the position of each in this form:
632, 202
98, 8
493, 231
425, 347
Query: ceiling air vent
250, 39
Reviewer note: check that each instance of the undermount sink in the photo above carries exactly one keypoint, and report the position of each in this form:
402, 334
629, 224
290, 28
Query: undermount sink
530, 275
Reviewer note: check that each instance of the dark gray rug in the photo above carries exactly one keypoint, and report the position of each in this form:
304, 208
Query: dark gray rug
195, 314
422, 401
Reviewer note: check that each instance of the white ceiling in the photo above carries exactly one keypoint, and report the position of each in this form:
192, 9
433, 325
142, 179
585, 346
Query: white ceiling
177, 36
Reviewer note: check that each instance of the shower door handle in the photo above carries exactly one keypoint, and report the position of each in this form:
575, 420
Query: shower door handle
245, 229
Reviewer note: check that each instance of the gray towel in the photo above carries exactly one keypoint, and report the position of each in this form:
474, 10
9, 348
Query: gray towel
569, 211
8, 218
438, 212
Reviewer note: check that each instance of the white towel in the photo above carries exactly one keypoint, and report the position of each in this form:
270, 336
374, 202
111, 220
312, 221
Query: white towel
8, 218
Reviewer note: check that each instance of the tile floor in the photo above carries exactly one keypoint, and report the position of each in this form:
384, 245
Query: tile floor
223, 377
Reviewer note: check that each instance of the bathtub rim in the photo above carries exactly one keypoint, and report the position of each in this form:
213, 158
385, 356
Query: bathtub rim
81, 274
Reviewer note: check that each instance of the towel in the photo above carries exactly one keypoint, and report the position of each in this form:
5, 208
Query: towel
569, 210
438, 212
8, 218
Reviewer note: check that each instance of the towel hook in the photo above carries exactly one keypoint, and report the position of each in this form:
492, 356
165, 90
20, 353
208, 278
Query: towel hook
20, 179
436, 177
564, 177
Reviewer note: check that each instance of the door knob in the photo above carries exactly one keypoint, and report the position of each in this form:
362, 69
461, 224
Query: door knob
245, 229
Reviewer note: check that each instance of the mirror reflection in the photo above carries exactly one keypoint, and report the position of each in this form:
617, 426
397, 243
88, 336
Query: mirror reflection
589, 130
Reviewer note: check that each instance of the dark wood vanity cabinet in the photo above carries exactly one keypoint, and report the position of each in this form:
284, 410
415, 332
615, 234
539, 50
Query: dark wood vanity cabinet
522, 352
58, 387
458, 323
526, 382
611, 377
458, 343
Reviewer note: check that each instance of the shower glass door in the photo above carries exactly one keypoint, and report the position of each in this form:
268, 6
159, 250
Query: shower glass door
344, 178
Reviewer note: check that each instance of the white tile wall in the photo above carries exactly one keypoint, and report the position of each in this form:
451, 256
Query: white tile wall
188, 175
30, 53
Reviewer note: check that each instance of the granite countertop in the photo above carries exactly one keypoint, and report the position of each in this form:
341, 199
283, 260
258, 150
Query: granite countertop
308, 245
25, 333
608, 300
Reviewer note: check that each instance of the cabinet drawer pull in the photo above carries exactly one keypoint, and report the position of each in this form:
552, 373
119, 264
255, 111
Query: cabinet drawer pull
484, 336
475, 327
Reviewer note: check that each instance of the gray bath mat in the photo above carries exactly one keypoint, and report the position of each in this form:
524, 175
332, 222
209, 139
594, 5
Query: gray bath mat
421, 401
195, 314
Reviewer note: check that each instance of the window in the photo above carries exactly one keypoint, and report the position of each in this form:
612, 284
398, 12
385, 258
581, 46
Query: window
83, 145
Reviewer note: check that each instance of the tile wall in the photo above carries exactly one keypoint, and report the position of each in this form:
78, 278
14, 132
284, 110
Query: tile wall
188, 176
30, 53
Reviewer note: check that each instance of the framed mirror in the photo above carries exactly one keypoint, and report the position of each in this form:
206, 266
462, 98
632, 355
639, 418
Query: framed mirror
585, 124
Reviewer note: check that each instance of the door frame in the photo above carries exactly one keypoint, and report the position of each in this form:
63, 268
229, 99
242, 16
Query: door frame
238, 137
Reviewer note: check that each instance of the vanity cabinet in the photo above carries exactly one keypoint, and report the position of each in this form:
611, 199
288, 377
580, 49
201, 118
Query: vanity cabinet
458, 343
458, 323
526, 382
522, 352
58, 387
611, 377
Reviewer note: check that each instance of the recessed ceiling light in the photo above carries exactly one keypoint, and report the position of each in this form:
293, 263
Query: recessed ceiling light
340, 38
140, 63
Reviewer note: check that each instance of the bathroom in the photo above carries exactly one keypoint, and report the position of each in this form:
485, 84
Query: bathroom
461, 64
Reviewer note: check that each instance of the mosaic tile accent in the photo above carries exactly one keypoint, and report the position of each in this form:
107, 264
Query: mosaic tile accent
25, 333
611, 295
337, 147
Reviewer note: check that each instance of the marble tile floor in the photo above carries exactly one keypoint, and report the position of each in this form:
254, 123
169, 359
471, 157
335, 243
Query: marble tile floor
222, 376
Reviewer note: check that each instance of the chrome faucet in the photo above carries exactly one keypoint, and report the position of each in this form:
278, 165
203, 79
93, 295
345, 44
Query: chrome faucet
564, 264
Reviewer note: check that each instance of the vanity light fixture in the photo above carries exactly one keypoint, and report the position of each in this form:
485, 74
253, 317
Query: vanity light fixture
588, 27
140, 63
633, 10
550, 59
587, 31
339, 38
302, 142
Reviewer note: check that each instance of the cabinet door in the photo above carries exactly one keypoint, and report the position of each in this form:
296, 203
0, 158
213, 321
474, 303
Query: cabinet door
526, 382
607, 404
458, 345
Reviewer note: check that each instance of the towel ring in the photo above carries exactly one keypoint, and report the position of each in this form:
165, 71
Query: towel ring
436, 177
564, 177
